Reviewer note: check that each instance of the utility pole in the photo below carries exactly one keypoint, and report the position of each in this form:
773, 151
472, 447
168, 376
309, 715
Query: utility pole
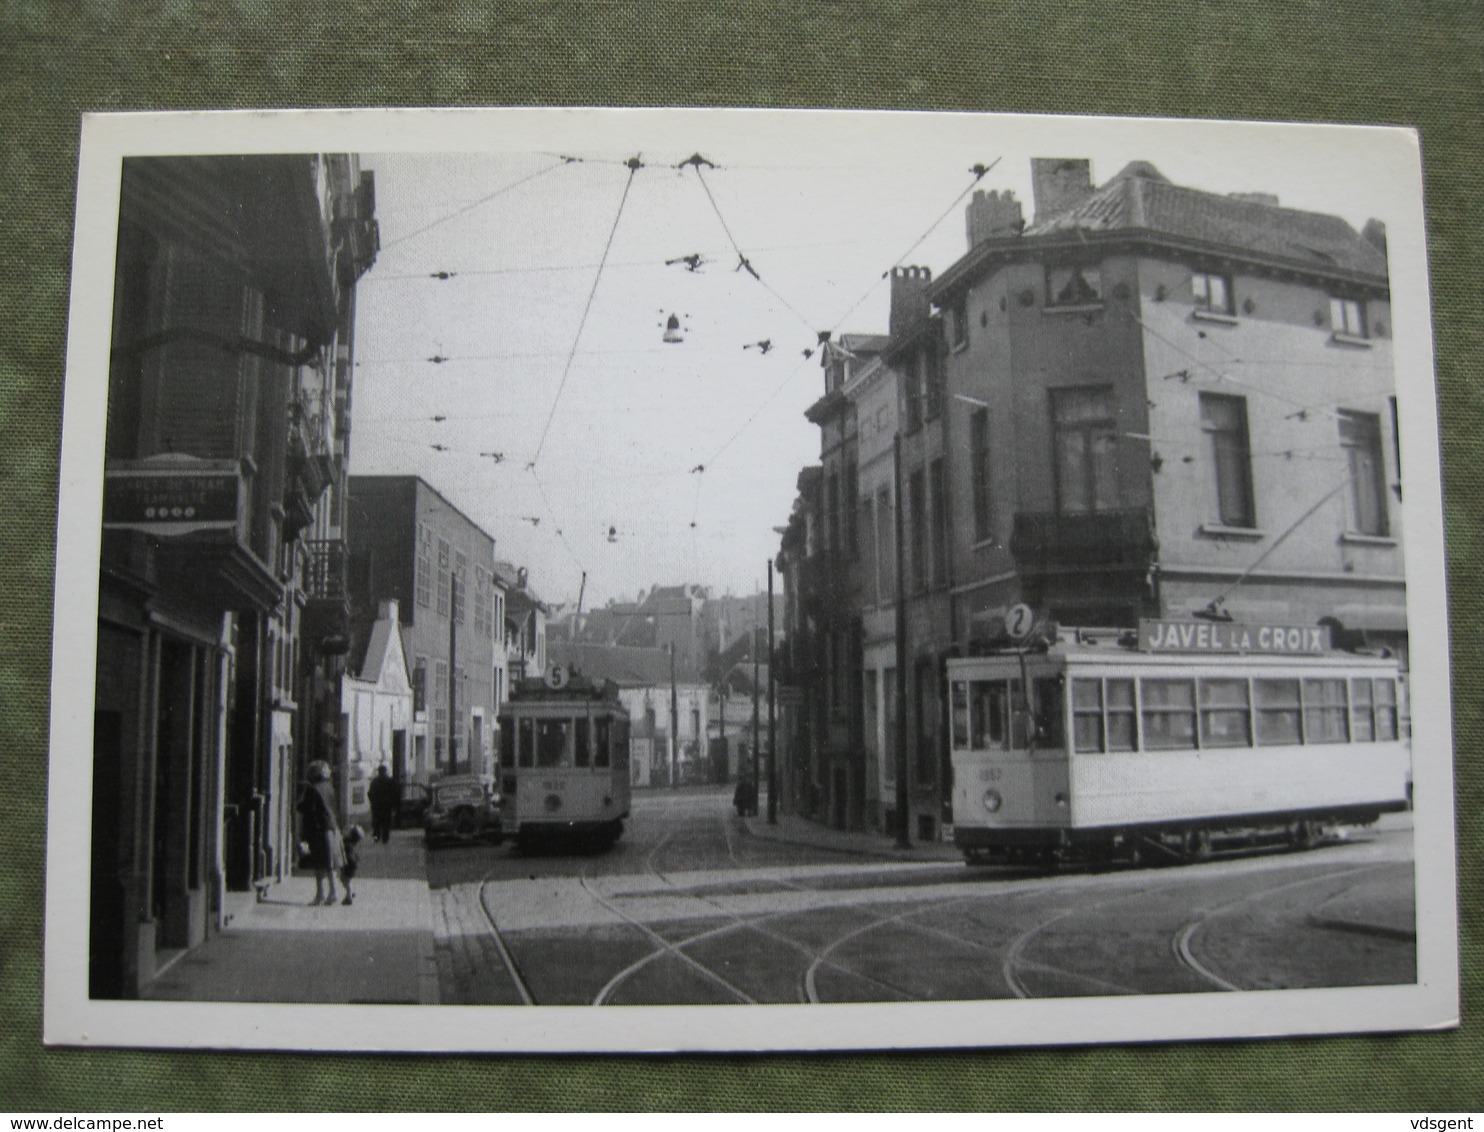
756, 744
674, 724
453, 667
772, 716
904, 837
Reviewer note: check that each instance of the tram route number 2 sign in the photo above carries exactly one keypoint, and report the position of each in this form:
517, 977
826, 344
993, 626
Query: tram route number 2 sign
1211, 636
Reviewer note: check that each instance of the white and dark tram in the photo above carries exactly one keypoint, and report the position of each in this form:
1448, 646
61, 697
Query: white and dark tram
1158, 745
564, 761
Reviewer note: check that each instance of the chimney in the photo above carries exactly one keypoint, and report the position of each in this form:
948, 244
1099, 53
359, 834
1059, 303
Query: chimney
991, 215
909, 302
1059, 183
1374, 233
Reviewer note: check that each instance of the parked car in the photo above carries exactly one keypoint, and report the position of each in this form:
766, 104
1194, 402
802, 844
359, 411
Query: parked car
463, 807
413, 805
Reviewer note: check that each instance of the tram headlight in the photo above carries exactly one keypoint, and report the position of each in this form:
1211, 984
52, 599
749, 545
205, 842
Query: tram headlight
993, 801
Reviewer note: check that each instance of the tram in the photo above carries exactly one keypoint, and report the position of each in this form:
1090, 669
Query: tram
564, 760
1160, 744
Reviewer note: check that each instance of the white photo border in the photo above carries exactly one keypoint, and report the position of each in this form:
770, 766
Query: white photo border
71, 1018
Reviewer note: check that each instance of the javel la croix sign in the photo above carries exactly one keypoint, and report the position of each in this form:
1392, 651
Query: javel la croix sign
1229, 637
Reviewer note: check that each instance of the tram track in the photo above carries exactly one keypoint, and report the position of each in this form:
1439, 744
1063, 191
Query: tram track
1183, 940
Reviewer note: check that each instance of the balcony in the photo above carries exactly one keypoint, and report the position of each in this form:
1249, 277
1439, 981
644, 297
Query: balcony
1050, 542
327, 606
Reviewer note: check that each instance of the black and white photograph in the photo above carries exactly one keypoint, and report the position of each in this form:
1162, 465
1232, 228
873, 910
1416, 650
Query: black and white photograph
598, 580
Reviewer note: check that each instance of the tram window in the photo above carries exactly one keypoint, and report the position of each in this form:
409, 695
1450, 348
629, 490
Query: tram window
1325, 711
1119, 695
582, 750
1277, 712
989, 710
507, 742
1362, 711
553, 747
527, 743
1087, 716
620, 743
1225, 717
602, 737
1386, 714
1169, 714
960, 715
1047, 694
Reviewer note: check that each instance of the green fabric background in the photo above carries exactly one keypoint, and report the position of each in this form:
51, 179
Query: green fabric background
1419, 64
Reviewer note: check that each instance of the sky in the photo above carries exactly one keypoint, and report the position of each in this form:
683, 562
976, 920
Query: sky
639, 461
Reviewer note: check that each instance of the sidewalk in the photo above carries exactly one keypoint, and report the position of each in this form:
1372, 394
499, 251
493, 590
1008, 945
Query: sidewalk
794, 830
377, 950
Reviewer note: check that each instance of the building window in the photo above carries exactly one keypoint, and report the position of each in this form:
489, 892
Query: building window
869, 545
1224, 420
847, 509
461, 572
424, 566
917, 500
1212, 293
1360, 436
932, 386
939, 484
958, 322
1073, 286
1086, 447
443, 576
832, 513
889, 714
911, 401
886, 532
979, 471
1347, 316
420, 684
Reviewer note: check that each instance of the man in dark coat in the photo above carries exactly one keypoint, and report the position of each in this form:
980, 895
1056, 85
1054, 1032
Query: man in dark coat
383, 795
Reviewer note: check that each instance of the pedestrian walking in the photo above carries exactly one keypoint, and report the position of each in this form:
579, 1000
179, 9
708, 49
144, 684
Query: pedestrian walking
319, 832
384, 796
350, 845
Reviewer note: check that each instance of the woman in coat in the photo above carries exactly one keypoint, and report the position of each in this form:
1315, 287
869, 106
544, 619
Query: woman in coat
320, 830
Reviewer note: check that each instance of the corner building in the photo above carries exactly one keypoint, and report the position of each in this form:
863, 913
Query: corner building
1163, 402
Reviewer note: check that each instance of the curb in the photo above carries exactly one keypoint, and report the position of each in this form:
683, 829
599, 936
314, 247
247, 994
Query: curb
886, 852
1361, 927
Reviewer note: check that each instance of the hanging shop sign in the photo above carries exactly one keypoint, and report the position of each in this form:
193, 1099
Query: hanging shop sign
175, 498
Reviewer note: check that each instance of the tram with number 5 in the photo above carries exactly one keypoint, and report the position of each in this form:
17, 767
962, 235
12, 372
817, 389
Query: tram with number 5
1170, 742
564, 761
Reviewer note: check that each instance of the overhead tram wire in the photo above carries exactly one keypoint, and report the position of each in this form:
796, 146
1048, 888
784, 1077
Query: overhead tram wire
742, 260
979, 171
634, 166
472, 205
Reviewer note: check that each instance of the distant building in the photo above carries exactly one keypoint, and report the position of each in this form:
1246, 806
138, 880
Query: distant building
410, 545
221, 628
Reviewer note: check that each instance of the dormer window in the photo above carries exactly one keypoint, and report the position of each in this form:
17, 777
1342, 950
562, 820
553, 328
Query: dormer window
1347, 318
1074, 286
1211, 293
